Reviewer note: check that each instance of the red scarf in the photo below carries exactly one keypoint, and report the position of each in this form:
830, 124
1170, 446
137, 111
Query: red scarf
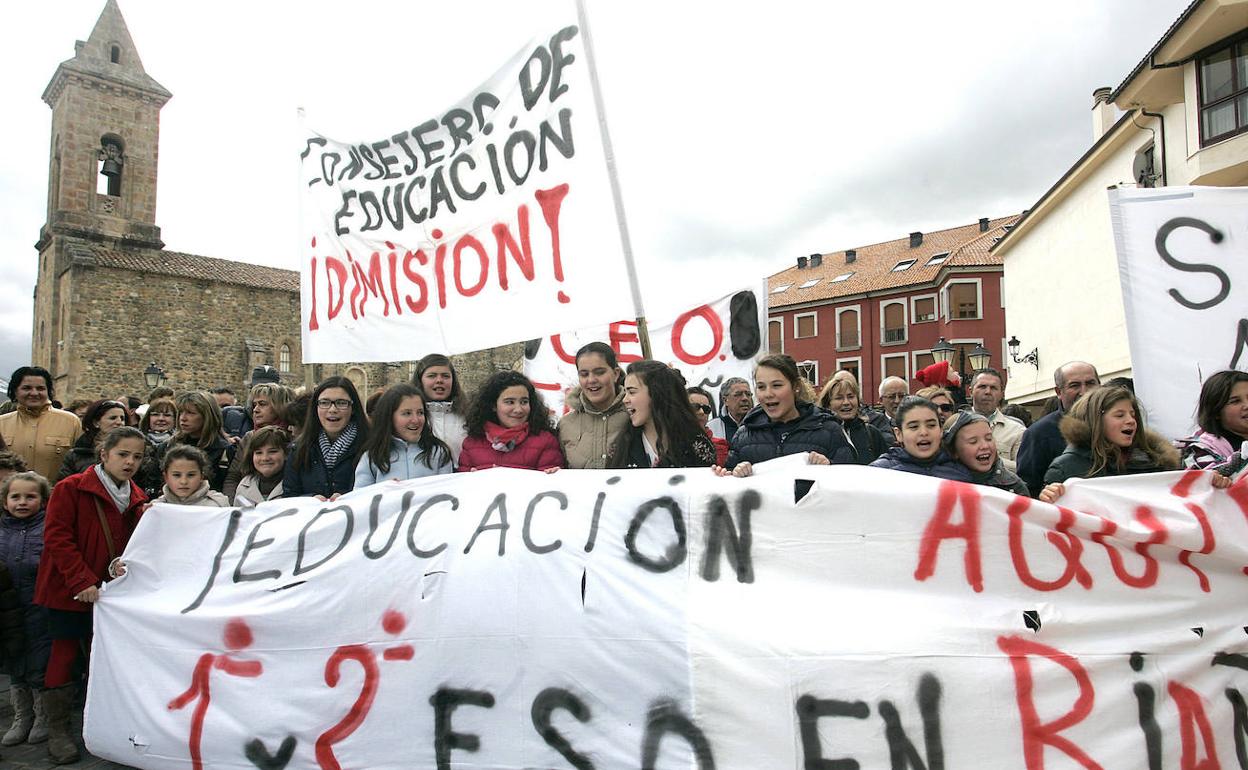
505, 439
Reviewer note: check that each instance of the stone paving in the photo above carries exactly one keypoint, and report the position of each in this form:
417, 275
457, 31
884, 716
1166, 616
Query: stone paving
36, 756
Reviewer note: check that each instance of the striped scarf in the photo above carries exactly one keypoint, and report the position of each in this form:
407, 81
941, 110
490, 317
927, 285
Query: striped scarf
333, 452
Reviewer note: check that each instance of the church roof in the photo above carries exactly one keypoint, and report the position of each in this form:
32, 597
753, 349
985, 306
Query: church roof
109, 54
184, 265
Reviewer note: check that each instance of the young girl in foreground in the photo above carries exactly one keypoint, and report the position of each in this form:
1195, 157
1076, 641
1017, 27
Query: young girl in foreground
90, 518
509, 427
23, 497
968, 438
185, 470
663, 433
264, 458
919, 450
401, 444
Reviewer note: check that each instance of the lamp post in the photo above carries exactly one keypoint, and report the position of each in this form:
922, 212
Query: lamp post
980, 358
153, 376
1032, 358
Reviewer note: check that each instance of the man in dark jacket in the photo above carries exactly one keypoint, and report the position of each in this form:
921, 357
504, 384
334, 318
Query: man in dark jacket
1043, 441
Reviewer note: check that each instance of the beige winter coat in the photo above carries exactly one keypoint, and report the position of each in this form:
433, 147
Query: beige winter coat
587, 436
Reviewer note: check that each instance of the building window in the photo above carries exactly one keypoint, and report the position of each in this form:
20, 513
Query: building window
848, 329
851, 365
924, 308
810, 370
781, 288
1144, 168
962, 299
775, 336
904, 264
810, 283
893, 317
283, 358
111, 157
938, 259
114, 54
1223, 90
922, 360
805, 325
842, 277
894, 366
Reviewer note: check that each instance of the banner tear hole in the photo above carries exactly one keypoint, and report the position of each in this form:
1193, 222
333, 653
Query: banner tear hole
429, 583
1199, 631
259, 755
1137, 661
584, 575
1031, 619
140, 744
1246, 629
288, 585
801, 488
677, 479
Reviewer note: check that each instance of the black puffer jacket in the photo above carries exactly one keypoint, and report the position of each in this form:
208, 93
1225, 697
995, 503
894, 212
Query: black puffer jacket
759, 439
868, 441
80, 457
1076, 461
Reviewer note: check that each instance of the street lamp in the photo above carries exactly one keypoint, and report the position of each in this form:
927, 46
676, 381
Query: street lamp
980, 357
153, 375
1032, 358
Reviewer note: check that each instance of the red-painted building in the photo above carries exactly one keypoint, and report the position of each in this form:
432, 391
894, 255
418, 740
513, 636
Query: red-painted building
878, 310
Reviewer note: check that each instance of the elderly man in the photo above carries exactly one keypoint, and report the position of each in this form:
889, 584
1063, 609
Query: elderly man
892, 391
1007, 432
735, 402
36, 432
1043, 440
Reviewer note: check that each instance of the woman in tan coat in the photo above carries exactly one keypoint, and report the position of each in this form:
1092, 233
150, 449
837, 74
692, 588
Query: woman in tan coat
591, 429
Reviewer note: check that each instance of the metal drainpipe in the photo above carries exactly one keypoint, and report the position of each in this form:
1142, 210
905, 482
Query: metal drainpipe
1162, 120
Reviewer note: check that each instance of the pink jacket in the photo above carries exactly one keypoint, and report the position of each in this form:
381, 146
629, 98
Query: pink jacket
537, 452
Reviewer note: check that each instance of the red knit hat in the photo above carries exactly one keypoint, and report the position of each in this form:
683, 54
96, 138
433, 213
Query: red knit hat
938, 375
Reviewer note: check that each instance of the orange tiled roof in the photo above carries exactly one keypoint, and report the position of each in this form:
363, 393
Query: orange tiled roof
873, 266
188, 266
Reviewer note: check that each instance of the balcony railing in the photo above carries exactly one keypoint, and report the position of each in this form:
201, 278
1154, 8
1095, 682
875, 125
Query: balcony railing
848, 341
895, 335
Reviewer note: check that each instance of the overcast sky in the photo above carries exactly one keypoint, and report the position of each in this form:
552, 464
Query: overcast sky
746, 134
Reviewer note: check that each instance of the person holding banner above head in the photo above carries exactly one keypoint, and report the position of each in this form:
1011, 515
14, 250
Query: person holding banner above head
1222, 415
589, 431
662, 432
969, 439
89, 520
322, 464
509, 427
840, 398
400, 444
785, 422
1106, 436
446, 404
917, 430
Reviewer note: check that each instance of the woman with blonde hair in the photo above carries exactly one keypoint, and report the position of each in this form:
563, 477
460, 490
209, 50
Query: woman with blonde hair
199, 425
841, 398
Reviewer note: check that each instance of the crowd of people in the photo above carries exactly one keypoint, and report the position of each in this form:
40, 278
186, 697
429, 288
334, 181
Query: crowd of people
75, 482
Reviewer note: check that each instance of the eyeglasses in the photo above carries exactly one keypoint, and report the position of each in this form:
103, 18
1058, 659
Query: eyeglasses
341, 404
704, 408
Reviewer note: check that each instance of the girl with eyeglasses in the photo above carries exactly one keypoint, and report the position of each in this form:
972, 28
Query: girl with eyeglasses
322, 464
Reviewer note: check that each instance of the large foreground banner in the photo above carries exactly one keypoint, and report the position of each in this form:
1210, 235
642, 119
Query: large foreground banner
829, 617
486, 223
1183, 257
708, 343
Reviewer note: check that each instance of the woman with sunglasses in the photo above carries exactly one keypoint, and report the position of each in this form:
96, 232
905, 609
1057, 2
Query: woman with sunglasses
703, 408
322, 464
942, 398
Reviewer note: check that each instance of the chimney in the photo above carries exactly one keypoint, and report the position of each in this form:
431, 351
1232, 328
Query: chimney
801, 263
1102, 113
916, 240
850, 256
983, 224
816, 260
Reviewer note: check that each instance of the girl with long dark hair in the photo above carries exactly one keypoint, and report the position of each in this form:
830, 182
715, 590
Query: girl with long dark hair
322, 464
400, 443
445, 403
508, 426
662, 432
100, 418
1222, 415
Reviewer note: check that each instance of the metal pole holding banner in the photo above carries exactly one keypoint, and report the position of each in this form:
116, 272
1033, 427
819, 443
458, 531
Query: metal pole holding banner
643, 334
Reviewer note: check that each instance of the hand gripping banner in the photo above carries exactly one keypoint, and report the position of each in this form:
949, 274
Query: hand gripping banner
483, 224
807, 617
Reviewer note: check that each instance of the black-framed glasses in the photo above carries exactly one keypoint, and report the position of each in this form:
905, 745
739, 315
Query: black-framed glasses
341, 404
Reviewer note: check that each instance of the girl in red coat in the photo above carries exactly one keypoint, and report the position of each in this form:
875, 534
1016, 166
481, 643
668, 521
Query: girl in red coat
509, 427
89, 521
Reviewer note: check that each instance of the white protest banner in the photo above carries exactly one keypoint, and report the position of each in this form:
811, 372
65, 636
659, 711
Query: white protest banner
708, 343
1183, 257
486, 223
673, 619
